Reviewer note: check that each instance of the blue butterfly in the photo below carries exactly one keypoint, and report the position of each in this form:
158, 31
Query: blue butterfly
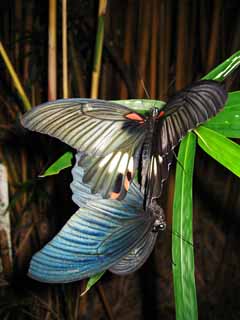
103, 234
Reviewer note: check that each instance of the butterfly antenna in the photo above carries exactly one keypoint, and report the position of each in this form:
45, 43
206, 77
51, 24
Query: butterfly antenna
145, 89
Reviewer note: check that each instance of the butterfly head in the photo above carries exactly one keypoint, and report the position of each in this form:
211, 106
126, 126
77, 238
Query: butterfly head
157, 212
154, 112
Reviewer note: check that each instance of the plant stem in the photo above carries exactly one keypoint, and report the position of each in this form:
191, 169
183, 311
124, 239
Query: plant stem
52, 51
98, 48
64, 49
15, 78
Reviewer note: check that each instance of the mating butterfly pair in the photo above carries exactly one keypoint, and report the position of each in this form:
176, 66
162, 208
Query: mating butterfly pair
114, 141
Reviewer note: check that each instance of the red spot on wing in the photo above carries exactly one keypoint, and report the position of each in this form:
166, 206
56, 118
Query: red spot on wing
161, 114
135, 117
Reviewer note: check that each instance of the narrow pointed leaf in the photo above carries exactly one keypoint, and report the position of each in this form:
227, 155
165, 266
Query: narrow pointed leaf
220, 148
91, 282
182, 250
63, 162
223, 70
227, 122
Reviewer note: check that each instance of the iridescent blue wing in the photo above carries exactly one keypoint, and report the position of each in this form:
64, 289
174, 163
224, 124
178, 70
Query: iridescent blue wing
94, 239
136, 257
110, 135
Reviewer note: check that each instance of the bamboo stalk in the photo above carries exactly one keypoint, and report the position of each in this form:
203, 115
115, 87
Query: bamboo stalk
162, 49
128, 40
98, 49
15, 78
17, 17
192, 42
143, 45
106, 304
27, 48
76, 69
153, 54
167, 49
52, 51
181, 67
64, 49
213, 43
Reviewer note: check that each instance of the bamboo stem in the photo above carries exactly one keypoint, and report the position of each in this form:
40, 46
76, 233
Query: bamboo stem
64, 49
212, 52
181, 67
143, 45
15, 78
52, 51
153, 54
128, 40
76, 68
98, 49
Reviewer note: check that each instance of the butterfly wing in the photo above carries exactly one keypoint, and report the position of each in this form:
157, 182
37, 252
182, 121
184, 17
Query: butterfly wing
108, 134
95, 127
183, 112
81, 193
96, 237
137, 257
187, 110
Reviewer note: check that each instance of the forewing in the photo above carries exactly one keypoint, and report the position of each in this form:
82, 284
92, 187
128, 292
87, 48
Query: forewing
137, 256
95, 238
187, 110
96, 127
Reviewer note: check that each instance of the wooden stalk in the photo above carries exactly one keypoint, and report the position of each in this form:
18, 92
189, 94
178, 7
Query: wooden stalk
214, 36
64, 49
98, 49
153, 54
128, 41
143, 45
15, 78
181, 67
52, 51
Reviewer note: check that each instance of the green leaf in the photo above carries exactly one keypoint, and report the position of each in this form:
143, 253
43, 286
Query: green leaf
61, 163
141, 105
220, 148
223, 70
182, 238
227, 122
91, 281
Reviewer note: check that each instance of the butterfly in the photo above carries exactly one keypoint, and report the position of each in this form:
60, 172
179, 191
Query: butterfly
103, 234
116, 140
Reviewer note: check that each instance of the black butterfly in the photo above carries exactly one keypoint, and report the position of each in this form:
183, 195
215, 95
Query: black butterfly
113, 138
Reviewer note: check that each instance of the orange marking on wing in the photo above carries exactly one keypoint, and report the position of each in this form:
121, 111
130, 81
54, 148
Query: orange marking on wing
161, 114
114, 195
134, 116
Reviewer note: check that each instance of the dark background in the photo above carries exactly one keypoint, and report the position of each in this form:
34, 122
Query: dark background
165, 44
